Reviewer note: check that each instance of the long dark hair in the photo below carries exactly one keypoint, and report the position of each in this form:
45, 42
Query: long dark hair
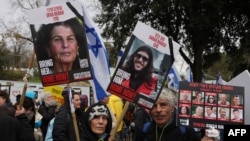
5, 95
187, 109
146, 73
44, 36
214, 101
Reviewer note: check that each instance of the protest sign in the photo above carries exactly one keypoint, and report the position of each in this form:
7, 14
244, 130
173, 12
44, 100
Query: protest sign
60, 43
143, 68
211, 105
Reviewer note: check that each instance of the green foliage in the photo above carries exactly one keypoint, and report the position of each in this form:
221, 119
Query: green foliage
219, 66
12, 75
15, 75
203, 27
111, 53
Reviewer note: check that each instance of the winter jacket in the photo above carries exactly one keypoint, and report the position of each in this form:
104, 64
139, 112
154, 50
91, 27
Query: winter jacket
170, 133
14, 130
88, 134
63, 129
48, 113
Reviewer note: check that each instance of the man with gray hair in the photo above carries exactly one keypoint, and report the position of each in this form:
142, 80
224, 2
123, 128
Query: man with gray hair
163, 126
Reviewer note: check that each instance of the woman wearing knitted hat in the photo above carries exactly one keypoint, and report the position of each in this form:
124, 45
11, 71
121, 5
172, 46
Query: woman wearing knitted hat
98, 123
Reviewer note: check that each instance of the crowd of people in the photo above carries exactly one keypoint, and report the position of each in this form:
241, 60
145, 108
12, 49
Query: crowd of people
89, 123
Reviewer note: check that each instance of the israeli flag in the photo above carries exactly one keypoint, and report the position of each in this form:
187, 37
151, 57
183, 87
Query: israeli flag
189, 74
173, 79
119, 56
219, 79
72, 108
98, 58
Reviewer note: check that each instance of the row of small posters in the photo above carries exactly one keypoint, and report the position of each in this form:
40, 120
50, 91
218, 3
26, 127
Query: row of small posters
205, 105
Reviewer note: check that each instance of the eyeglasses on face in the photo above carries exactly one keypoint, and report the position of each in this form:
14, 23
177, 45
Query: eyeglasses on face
144, 58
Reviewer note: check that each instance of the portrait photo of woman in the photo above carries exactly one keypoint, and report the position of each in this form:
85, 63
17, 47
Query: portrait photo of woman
60, 46
211, 100
197, 97
184, 111
197, 111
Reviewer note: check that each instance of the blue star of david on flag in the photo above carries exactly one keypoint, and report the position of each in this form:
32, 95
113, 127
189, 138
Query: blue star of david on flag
98, 58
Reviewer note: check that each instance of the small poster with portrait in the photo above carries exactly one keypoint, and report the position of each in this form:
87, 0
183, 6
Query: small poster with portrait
185, 96
143, 68
60, 43
212, 105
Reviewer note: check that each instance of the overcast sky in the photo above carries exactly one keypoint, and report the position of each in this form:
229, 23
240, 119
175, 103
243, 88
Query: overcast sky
4, 8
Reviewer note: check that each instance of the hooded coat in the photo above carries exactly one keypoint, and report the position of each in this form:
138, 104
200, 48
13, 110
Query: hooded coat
88, 134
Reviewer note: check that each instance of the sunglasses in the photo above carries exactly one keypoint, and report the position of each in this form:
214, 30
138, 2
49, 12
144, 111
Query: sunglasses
144, 58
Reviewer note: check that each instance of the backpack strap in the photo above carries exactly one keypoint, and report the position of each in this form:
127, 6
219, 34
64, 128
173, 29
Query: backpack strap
183, 129
184, 133
145, 127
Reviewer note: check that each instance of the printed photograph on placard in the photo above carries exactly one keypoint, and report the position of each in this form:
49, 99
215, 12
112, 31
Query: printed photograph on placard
223, 100
236, 115
211, 98
197, 111
184, 110
185, 96
198, 97
212, 105
60, 43
236, 101
209, 112
143, 68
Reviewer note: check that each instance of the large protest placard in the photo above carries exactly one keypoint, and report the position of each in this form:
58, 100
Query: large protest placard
143, 68
204, 105
60, 43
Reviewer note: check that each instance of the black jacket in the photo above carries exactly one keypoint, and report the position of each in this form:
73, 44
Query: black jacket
63, 129
13, 130
170, 133
88, 134
48, 113
140, 118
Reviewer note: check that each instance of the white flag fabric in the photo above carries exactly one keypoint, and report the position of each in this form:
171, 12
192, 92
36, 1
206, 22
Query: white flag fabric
119, 56
189, 74
72, 108
98, 58
173, 79
219, 79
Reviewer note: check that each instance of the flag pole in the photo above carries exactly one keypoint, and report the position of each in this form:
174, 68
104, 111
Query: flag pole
75, 126
113, 132
73, 114
26, 78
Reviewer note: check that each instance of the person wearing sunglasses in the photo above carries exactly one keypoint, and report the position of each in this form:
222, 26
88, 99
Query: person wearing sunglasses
211, 100
140, 67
